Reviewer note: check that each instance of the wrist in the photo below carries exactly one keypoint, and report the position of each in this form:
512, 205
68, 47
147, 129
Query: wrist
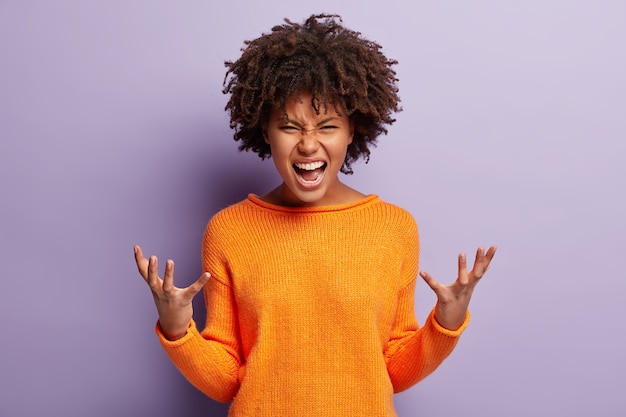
452, 322
447, 328
173, 333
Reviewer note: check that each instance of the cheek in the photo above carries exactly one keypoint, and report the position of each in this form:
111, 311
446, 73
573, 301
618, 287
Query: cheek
280, 150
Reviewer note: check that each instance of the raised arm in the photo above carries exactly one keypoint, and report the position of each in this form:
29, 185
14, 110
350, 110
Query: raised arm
414, 352
211, 360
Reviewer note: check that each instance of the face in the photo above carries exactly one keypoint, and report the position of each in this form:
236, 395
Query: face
308, 150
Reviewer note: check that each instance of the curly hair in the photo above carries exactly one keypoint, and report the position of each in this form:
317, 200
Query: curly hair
337, 66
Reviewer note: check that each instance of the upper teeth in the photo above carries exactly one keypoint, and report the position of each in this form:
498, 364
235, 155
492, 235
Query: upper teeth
311, 166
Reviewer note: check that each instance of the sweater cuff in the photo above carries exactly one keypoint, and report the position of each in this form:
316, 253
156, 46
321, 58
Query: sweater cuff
448, 332
192, 331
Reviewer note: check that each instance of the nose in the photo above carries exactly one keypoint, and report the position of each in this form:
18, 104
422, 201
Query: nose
308, 144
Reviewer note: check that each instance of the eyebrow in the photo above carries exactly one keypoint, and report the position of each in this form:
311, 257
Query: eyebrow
320, 123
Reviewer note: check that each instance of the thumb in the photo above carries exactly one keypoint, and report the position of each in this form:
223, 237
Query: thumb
432, 282
197, 286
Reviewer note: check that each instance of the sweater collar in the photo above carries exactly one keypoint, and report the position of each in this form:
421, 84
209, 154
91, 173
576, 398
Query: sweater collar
367, 200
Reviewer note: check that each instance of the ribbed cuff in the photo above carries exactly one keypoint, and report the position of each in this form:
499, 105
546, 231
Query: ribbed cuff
191, 331
448, 332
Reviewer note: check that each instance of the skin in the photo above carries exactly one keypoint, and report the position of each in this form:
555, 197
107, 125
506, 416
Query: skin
453, 300
173, 304
302, 136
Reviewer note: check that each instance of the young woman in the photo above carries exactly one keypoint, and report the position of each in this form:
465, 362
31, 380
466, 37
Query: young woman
310, 287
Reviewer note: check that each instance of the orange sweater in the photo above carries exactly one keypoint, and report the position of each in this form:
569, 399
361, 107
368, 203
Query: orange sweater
310, 311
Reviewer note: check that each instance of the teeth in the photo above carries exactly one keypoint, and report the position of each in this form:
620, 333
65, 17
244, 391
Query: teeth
310, 167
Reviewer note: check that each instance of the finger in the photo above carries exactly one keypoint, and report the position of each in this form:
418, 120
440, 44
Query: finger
463, 278
142, 263
432, 282
168, 276
480, 254
481, 265
491, 252
153, 272
197, 286
488, 257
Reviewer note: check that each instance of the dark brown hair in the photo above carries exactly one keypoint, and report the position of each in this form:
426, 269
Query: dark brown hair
336, 65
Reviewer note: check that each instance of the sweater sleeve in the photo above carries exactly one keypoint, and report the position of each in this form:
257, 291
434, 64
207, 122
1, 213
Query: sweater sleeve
414, 352
211, 359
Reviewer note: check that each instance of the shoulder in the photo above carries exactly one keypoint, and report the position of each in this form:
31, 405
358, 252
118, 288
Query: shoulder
402, 225
230, 211
396, 214
394, 227
226, 230
228, 219
384, 221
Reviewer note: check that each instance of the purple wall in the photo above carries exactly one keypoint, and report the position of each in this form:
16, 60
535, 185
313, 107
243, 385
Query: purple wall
112, 132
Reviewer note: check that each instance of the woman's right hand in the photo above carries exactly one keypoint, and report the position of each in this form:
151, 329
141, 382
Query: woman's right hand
173, 304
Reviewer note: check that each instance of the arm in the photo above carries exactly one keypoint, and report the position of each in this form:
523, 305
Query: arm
413, 352
209, 361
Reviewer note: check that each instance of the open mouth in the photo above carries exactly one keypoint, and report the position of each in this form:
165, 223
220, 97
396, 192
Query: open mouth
310, 173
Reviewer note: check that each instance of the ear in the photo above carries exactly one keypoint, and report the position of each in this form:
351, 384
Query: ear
264, 133
351, 133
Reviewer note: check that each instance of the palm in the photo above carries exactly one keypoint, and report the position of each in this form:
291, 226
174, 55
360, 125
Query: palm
173, 304
453, 300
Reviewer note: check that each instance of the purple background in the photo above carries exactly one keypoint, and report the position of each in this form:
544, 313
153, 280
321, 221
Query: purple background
112, 132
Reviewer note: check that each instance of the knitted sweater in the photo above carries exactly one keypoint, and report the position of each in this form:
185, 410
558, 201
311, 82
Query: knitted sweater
310, 311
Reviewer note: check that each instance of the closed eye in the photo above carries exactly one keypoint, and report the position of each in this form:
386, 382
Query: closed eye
328, 129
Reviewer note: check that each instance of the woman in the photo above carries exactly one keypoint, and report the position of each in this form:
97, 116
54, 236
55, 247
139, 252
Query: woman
310, 287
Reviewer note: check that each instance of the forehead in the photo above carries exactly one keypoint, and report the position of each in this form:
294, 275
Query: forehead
305, 107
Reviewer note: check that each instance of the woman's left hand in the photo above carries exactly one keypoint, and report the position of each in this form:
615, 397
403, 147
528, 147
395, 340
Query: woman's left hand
453, 300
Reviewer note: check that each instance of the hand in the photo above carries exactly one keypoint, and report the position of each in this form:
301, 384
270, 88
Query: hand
453, 300
173, 304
